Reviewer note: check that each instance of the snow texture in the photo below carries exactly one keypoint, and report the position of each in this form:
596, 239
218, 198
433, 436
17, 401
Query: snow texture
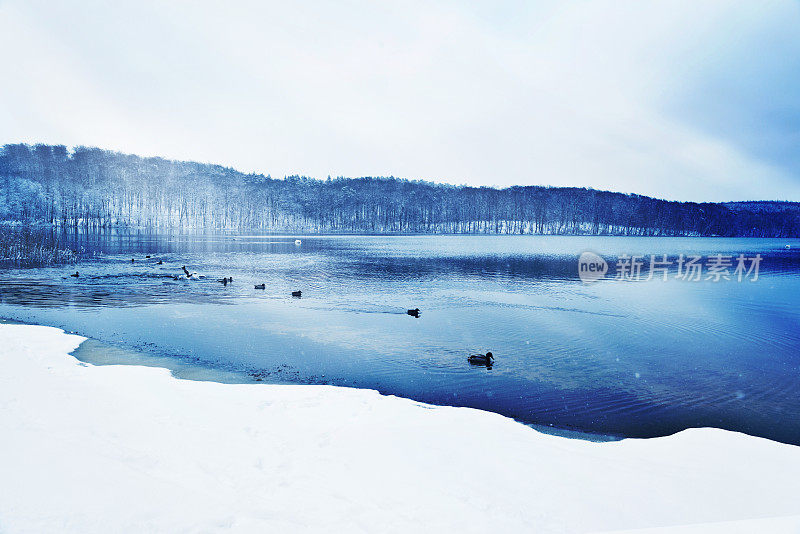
132, 449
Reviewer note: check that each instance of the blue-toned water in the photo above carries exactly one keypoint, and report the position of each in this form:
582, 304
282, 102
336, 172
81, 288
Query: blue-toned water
620, 357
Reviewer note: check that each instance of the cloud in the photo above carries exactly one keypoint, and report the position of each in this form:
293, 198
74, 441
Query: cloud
694, 100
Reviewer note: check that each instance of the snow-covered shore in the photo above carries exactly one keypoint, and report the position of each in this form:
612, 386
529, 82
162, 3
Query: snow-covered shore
132, 449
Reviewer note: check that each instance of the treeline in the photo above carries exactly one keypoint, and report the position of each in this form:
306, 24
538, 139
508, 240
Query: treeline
91, 187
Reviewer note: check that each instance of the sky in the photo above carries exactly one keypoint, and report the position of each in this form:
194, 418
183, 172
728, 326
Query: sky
696, 100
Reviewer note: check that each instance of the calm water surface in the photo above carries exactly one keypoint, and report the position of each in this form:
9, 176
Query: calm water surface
622, 358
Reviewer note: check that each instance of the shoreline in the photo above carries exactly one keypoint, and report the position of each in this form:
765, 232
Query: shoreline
94, 352
89, 446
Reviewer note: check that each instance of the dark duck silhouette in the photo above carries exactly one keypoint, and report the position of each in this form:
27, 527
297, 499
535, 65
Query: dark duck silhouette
159, 262
225, 281
260, 286
413, 313
297, 294
76, 275
482, 359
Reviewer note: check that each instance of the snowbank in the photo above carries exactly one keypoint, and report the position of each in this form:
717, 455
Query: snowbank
132, 449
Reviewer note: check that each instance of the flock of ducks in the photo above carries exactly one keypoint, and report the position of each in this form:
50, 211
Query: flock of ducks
225, 280
475, 359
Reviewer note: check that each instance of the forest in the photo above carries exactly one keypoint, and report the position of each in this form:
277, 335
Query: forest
91, 187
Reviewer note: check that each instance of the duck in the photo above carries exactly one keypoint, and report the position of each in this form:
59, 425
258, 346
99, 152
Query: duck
260, 286
132, 260
297, 294
159, 262
298, 242
414, 312
191, 275
148, 256
481, 359
76, 275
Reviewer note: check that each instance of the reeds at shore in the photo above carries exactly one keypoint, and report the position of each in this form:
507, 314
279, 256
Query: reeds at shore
25, 246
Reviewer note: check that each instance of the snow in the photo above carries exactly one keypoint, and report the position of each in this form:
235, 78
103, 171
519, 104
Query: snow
132, 449
771, 525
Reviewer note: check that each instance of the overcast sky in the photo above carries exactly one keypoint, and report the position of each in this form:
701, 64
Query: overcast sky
695, 100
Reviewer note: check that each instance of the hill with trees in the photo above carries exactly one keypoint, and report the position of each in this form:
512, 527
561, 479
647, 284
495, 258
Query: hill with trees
99, 188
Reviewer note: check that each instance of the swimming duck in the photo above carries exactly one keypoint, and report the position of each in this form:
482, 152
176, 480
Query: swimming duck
414, 312
298, 242
76, 275
260, 286
297, 294
147, 256
159, 262
481, 359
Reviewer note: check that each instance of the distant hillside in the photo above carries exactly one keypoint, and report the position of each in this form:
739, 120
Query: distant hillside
766, 206
100, 188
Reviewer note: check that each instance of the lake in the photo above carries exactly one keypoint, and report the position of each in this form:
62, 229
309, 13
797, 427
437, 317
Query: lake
623, 356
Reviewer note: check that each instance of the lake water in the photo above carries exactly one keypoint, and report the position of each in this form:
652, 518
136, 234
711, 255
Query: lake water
616, 357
